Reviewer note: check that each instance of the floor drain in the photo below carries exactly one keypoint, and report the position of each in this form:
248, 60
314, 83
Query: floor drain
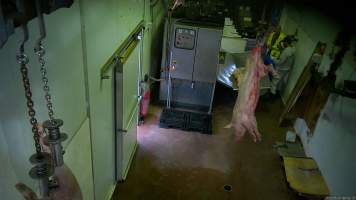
227, 188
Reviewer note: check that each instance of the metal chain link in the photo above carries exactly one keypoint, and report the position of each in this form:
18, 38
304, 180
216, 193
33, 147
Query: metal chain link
40, 51
23, 60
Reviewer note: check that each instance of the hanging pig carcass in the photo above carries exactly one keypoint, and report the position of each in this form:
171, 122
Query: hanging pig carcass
243, 117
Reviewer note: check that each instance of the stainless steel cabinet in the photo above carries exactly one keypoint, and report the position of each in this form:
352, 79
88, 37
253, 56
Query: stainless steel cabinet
207, 55
194, 53
183, 51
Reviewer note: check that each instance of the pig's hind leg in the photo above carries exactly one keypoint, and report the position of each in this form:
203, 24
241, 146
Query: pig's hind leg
251, 127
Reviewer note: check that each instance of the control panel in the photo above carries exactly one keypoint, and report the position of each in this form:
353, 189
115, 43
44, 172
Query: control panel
185, 38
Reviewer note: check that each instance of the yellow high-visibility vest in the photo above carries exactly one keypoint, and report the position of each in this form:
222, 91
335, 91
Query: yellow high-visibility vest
274, 49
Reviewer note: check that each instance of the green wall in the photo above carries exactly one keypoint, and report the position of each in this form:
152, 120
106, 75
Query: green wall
154, 16
64, 58
79, 41
106, 24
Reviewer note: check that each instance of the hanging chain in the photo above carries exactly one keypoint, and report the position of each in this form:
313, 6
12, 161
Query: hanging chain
42, 169
23, 60
40, 51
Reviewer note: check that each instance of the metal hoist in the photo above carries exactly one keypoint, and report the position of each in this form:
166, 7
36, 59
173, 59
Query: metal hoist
44, 163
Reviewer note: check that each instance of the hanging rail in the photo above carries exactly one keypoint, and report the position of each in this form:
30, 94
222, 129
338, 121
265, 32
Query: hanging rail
122, 52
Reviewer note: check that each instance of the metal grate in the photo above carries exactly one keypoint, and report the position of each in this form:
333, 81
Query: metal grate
184, 120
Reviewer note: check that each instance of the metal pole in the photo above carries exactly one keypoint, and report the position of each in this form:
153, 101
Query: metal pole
169, 85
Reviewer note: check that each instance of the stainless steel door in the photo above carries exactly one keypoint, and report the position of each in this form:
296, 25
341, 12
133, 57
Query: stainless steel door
127, 104
207, 55
182, 54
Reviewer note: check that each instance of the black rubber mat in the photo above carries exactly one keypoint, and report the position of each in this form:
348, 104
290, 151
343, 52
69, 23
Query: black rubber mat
184, 120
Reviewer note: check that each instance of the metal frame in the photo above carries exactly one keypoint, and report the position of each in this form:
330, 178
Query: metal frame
120, 129
115, 65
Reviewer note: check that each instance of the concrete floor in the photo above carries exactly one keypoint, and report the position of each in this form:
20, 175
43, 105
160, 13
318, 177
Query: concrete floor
173, 165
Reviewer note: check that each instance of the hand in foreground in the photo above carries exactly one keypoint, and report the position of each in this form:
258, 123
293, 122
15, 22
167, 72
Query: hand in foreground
68, 188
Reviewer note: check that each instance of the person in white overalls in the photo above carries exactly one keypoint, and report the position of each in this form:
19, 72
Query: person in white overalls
284, 64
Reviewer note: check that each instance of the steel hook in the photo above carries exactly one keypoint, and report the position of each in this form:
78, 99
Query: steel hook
22, 58
41, 25
25, 37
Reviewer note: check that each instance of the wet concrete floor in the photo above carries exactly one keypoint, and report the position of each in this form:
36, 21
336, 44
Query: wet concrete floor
178, 165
